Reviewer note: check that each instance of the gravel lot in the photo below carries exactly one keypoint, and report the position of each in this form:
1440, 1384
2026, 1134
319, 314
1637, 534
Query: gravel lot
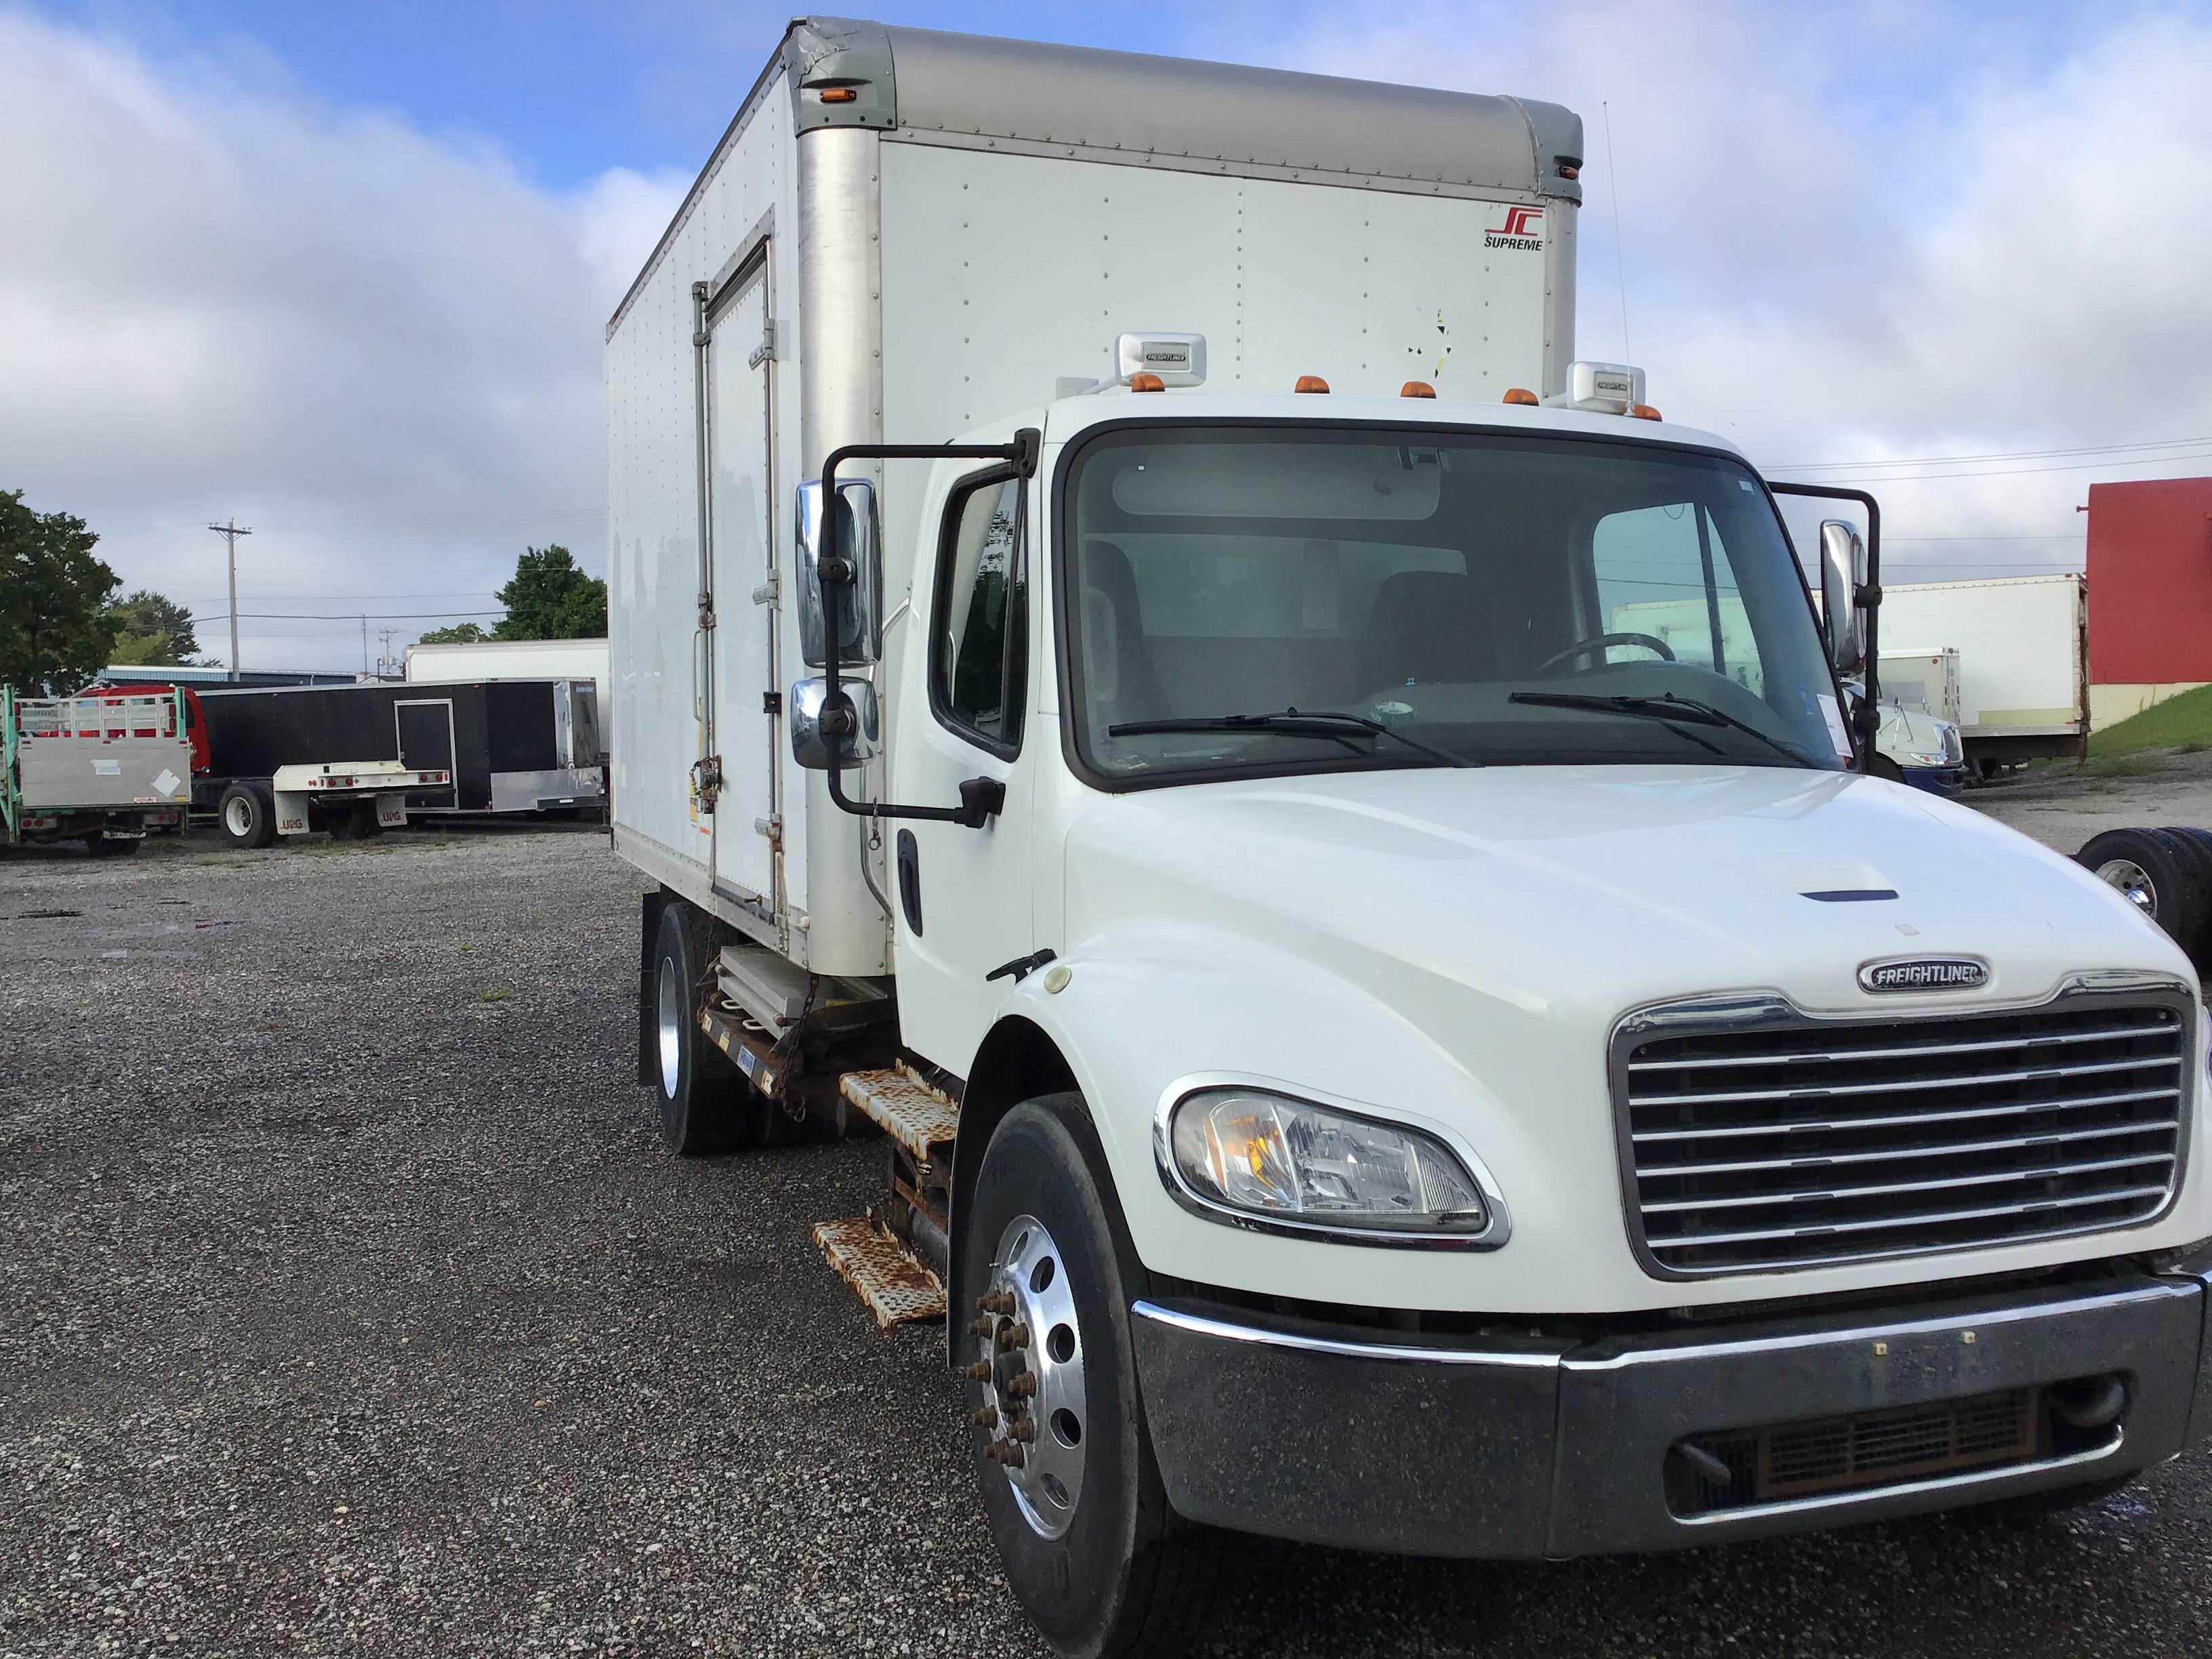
347, 1304
2062, 804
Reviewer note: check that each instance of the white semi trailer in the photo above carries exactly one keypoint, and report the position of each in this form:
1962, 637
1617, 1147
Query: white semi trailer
1373, 1047
2022, 645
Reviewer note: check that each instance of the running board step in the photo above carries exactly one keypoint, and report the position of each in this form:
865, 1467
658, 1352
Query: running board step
904, 1107
880, 1269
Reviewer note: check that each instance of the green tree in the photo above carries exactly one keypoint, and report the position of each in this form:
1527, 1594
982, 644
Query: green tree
55, 634
550, 598
459, 634
152, 628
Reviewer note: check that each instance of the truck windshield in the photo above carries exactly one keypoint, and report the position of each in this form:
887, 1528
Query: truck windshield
1507, 600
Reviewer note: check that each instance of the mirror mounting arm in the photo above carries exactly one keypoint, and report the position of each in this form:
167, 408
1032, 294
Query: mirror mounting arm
1868, 718
980, 797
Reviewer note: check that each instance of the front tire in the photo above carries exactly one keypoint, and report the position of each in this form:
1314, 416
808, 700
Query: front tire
247, 813
1100, 1562
705, 1104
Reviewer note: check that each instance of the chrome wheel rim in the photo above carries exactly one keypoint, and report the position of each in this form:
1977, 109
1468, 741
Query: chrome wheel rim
1028, 1340
670, 1019
2132, 879
237, 817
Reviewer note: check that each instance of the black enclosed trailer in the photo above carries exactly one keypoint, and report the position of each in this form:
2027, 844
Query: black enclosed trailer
504, 745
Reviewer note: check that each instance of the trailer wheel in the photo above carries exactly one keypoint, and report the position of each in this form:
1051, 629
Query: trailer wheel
706, 1105
247, 813
2159, 871
101, 847
1084, 1529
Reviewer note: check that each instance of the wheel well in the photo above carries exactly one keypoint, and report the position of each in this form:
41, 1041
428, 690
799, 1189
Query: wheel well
1017, 1062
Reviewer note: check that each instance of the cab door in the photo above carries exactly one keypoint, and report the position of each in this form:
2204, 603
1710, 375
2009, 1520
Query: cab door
741, 540
962, 896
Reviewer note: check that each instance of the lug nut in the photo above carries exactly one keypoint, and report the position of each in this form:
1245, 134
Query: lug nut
996, 1302
1016, 1336
988, 1417
1006, 1452
980, 1370
1023, 1428
982, 1326
1021, 1385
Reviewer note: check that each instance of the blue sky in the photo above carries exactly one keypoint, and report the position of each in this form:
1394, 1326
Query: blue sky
387, 236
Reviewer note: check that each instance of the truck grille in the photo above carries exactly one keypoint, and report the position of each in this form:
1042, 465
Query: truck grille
1767, 1148
1868, 1451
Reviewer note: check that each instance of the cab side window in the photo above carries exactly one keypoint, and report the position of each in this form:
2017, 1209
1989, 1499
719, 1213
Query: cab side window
979, 656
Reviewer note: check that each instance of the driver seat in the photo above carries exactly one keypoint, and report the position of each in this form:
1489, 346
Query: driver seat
1429, 627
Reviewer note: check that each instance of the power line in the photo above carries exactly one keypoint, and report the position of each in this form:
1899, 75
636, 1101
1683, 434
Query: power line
1995, 455
343, 615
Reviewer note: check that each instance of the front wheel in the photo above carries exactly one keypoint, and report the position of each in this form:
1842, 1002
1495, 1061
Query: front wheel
247, 813
1095, 1554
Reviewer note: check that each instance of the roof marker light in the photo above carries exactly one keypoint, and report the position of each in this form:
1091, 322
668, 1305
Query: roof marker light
1310, 383
1416, 389
1645, 413
1520, 394
1143, 382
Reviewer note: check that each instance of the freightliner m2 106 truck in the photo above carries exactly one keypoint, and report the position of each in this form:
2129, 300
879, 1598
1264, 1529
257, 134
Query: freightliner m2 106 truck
1125, 677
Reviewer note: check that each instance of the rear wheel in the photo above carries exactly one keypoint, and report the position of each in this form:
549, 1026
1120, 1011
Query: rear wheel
705, 1104
101, 848
2161, 874
247, 814
1095, 1554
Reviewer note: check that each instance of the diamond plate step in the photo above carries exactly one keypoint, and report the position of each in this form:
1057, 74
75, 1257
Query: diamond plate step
905, 1108
881, 1269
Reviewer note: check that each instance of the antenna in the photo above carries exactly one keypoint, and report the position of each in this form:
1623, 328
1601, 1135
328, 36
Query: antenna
1619, 256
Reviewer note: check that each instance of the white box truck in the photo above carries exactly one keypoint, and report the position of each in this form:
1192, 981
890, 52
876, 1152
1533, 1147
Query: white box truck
1126, 676
509, 659
2023, 660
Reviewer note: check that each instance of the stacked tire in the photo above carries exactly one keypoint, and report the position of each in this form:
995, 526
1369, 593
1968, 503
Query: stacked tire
2167, 873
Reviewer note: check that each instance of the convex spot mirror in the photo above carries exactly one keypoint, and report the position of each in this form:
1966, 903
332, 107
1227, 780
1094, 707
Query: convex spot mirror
859, 602
810, 746
1843, 579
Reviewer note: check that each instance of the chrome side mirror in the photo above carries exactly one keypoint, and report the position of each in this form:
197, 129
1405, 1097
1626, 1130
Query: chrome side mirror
810, 747
1843, 579
860, 626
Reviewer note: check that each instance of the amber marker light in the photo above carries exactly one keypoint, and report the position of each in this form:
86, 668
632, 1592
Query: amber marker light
1416, 389
1644, 412
838, 94
1310, 383
1521, 394
1143, 382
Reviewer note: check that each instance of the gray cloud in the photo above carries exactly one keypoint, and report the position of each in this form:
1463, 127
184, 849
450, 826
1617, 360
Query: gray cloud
380, 350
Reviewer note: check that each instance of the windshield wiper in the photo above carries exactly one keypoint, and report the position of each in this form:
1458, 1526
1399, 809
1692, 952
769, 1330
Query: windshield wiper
1673, 710
1292, 722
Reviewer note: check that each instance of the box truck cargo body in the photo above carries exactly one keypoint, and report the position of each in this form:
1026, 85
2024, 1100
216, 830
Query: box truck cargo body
2023, 660
941, 250
511, 659
1328, 837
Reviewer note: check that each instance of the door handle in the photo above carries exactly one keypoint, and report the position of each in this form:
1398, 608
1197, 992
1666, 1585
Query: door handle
910, 881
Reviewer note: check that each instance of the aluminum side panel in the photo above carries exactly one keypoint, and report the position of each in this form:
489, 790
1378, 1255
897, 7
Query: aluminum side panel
654, 733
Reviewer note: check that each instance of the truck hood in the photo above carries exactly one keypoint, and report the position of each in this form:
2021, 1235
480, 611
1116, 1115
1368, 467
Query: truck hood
1556, 890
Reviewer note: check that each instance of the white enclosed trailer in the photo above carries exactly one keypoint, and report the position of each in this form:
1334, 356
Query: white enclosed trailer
510, 660
2023, 645
1392, 1030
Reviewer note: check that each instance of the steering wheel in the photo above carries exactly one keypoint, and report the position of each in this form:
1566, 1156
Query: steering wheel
1598, 642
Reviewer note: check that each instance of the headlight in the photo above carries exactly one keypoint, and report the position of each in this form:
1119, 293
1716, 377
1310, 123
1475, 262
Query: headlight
1927, 760
1308, 1167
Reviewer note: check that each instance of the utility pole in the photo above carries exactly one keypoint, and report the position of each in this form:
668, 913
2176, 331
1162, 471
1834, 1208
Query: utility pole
364, 644
230, 533
384, 664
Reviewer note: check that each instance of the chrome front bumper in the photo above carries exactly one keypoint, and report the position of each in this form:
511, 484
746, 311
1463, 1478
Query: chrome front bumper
1533, 1447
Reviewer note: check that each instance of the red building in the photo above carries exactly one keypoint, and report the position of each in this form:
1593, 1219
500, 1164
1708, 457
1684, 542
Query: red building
2150, 593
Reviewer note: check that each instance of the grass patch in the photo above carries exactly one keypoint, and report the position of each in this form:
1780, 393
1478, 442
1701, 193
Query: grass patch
2184, 722
2121, 766
494, 996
